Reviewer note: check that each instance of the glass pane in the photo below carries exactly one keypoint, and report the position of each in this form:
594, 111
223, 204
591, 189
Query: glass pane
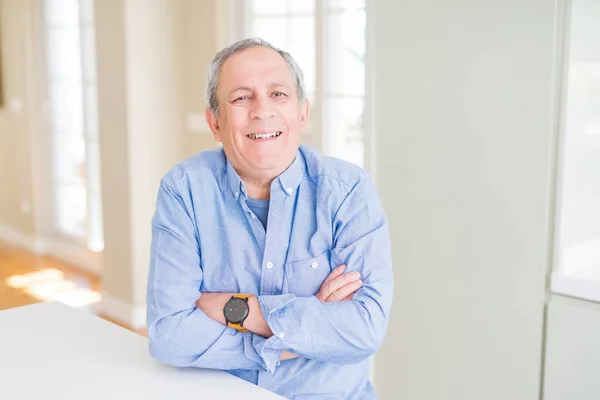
69, 158
346, 4
345, 52
344, 128
66, 108
96, 230
268, 7
273, 30
71, 214
61, 12
87, 11
302, 6
64, 53
353, 31
302, 48
89, 53
91, 111
93, 166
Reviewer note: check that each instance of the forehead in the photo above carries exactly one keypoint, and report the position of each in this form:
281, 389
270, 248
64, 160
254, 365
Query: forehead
254, 67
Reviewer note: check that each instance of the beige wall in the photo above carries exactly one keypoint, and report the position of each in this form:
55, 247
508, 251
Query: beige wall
152, 60
16, 185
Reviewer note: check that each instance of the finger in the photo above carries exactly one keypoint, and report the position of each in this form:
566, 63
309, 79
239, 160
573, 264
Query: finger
332, 297
341, 293
345, 291
328, 287
336, 272
340, 281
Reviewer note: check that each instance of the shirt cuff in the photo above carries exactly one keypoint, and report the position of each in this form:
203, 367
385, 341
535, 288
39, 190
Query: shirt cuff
273, 310
255, 351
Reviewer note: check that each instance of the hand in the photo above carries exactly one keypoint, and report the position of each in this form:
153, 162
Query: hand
212, 304
338, 287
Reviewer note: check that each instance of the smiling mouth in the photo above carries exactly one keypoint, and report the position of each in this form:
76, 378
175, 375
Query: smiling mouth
264, 136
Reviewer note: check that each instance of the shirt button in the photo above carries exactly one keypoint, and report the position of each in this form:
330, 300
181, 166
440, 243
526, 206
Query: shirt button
253, 216
314, 264
281, 335
269, 265
289, 190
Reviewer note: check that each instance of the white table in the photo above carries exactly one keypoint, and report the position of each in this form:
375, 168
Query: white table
53, 351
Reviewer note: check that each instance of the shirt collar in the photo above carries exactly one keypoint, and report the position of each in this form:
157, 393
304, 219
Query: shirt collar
288, 179
235, 182
291, 177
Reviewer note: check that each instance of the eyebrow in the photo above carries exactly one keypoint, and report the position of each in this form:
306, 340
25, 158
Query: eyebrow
278, 84
238, 89
249, 89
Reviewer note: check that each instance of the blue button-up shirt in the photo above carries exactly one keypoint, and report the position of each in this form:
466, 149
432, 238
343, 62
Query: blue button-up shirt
323, 212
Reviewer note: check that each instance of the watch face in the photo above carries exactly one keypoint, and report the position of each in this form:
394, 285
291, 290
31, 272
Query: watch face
236, 310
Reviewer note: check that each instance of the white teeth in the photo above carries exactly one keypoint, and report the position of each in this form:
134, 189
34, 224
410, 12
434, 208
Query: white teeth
268, 135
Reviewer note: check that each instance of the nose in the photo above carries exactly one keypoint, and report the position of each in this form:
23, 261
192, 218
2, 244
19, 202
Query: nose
261, 108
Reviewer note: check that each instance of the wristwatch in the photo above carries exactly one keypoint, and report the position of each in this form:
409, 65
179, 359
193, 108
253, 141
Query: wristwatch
236, 310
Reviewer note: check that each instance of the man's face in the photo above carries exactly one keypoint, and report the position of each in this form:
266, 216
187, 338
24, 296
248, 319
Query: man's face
260, 117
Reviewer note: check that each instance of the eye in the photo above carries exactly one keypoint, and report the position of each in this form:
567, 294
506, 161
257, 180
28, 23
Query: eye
279, 94
241, 98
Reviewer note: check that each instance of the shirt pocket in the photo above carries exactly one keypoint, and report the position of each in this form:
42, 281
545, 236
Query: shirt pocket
305, 277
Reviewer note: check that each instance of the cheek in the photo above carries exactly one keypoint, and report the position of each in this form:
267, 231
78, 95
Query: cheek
292, 117
237, 117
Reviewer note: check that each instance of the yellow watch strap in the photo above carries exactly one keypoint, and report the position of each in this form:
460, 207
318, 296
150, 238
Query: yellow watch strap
237, 326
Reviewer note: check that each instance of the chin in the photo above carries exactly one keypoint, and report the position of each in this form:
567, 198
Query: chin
266, 165
272, 162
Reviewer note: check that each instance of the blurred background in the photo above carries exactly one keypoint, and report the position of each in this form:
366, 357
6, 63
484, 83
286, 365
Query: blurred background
479, 121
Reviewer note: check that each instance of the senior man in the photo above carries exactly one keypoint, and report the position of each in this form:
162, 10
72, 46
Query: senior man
245, 239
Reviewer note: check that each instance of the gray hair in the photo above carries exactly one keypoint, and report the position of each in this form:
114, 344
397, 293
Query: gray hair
223, 55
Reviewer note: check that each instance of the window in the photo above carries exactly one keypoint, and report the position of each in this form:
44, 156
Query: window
327, 39
72, 97
578, 261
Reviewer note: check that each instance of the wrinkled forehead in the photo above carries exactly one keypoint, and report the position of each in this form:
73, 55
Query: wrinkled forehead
254, 68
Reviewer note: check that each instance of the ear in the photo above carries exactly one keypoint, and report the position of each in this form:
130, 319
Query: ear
213, 124
304, 113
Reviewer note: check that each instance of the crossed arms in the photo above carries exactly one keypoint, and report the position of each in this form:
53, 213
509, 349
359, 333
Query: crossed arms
344, 323
336, 287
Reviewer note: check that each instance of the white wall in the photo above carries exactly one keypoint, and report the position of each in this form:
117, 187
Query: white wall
464, 153
572, 350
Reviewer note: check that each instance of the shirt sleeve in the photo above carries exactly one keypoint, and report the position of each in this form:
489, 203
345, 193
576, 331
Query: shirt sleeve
344, 332
180, 334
